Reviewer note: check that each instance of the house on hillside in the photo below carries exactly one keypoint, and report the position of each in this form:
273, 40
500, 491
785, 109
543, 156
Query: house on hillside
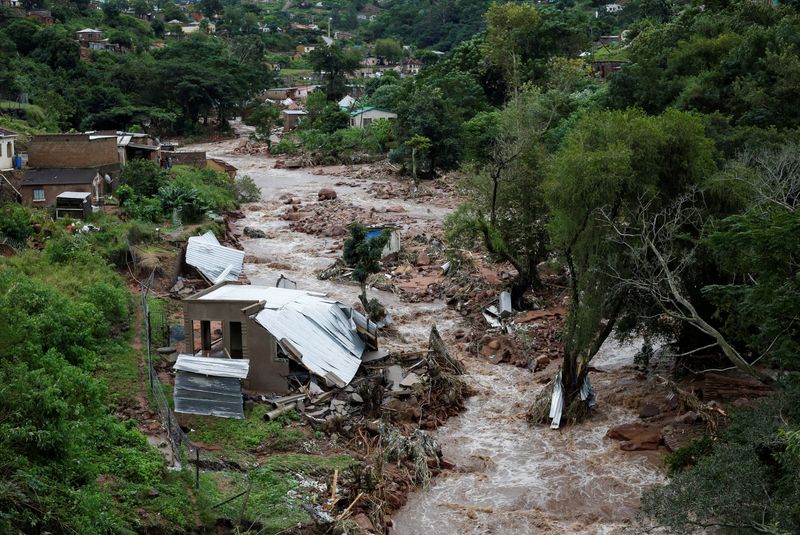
61, 163
302, 50
411, 67
222, 166
41, 15
291, 118
282, 332
347, 103
41, 188
75, 151
136, 146
7, 151
339, 35
88, 35
604, 68
363, 117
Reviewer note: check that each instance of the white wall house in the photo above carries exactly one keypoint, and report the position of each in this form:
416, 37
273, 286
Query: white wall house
362, 118
7, 138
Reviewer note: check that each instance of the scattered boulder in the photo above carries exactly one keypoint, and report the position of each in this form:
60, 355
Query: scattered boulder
648, 410
251, 232
542, 361
326, 194
423, 259
636, 436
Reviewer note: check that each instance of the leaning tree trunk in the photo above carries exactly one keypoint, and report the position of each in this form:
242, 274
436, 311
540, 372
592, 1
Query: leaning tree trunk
573, 374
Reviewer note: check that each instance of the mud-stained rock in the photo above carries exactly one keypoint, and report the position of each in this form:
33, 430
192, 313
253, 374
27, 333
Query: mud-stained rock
636, 436
326, 194
649, 410
251, 232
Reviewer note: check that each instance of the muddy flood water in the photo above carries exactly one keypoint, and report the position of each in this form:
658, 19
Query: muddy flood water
510, 477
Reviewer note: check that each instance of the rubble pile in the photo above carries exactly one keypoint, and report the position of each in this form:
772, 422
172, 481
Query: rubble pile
330, 216
252, 148
383, 416
439, 192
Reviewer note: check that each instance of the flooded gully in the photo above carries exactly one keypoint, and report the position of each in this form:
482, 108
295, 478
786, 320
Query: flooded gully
509, 477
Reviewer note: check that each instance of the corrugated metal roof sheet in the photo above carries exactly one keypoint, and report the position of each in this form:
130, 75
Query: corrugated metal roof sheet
237, 368
210, 396
209, 386
80, 195
317, 332
212, 259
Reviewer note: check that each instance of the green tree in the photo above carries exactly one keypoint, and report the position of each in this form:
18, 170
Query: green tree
144, 177
264, 118
505, 208
15, 222
390, 49
613, 168
418, 145
425, 112
334, 63
511, 39
363, 254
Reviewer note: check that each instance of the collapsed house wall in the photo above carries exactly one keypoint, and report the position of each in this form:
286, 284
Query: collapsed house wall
241, 338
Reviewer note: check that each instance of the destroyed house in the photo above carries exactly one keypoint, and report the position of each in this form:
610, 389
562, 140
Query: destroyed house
282, 332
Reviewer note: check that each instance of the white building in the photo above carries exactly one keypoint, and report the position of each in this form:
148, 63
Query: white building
7, 138
362, 118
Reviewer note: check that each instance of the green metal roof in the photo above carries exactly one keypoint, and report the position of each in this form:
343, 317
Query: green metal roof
368, 108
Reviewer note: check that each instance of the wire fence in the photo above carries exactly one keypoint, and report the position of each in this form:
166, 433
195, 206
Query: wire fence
156, 333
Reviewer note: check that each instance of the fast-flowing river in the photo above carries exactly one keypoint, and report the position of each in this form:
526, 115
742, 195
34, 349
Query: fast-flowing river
510, 478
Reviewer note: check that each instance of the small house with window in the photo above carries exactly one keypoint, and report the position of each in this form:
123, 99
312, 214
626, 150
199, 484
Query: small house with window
7, 138
363, 117
42, 187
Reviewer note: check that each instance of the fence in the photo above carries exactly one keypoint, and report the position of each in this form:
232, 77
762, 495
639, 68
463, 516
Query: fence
183, 449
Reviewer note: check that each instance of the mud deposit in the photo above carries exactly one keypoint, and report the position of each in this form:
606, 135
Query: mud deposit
509, 477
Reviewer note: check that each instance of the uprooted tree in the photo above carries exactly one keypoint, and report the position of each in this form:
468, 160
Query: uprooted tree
363, 254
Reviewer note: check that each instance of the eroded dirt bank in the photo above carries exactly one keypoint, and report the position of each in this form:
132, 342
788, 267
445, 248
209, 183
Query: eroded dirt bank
508, 477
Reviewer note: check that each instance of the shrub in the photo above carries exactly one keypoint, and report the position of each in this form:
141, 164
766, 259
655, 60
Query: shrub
144, 177
745, 480
285, 146
15, 222
185, 199
247, 190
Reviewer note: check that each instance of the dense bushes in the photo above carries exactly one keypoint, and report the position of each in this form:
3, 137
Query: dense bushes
66, 463
150, 194
15, 222
745, 481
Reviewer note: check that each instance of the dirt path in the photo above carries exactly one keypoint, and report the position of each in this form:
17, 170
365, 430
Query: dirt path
509, 478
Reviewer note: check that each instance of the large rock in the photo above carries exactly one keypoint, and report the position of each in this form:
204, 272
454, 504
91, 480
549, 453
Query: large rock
636, 436
326, 194
251, 232
648, 410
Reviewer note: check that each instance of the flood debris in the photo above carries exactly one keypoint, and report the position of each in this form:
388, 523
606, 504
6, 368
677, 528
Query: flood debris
215, 262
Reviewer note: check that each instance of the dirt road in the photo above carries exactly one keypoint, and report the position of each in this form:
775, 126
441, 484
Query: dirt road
509, 478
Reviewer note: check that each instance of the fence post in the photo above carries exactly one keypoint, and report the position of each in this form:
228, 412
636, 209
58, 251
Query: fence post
197, 468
